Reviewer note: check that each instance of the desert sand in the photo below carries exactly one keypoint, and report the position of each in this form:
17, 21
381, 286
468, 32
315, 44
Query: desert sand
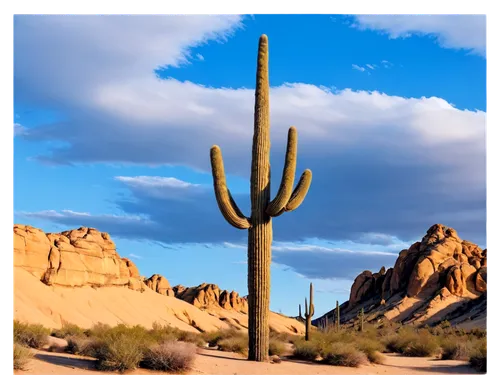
223, 363
35, 302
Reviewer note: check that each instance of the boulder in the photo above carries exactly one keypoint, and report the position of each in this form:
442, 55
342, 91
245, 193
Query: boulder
480, 281
160, 285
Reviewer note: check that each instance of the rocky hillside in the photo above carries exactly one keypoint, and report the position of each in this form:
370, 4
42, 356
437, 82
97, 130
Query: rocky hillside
441, 277
78, 276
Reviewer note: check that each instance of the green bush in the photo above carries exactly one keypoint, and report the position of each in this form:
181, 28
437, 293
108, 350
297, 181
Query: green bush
425, 345
22, 356
213, 338
32, 335
170, 356
453, 348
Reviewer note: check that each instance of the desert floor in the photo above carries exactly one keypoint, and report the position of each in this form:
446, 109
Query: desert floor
223, 363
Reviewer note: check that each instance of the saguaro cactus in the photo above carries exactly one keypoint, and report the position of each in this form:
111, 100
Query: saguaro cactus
259, 224
338, 317
309, 312
361, 319
300, 312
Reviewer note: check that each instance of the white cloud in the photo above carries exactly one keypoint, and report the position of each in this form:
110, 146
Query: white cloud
451, 31
357, 67
154, 181
132, 255
200, 57
19, 129
371, 66
83, 217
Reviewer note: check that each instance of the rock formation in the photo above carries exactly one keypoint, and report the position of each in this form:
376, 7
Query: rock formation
441, 266
210, 295
73, 258
160, 285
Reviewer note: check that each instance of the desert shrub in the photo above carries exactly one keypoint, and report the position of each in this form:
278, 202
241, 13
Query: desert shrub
67, 329
478, 357
82, 345
282, 336
371, 348
424, 345
191, 337
213, 338
341, 354
170, 356
452, 348
32, 335
97, 330
306, 350
22, 356
120, 348
398, 342
236, 344
276, 346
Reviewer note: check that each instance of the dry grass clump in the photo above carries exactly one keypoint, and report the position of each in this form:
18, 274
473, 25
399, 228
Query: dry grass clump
306, 350
425, 345
32, 335
340, 354
22, 356
170, 356
68, 329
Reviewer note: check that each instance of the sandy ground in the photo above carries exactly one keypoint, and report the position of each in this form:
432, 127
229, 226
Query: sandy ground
35, 302
216, 362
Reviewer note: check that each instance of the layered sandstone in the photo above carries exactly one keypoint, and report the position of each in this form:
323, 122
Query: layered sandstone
210, 295
73, 258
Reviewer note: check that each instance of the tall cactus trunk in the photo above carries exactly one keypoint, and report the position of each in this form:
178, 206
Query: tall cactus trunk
260, 234
259, 224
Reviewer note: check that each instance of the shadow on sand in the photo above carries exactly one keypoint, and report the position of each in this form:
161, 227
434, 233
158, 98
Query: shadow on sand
61, 360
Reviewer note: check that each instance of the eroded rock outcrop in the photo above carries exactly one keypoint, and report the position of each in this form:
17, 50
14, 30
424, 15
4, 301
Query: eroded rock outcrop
210, 295
73, 258
440, 269
160, 285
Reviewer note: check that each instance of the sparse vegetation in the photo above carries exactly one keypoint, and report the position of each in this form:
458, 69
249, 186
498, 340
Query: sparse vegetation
67, 329
306, 350
276, 346
478, 357
22, 356
170, 356
32, 335
341, 354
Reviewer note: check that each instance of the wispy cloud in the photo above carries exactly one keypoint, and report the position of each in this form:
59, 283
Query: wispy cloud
132, 255
357, 67
386, 64
371, 66
200, 57
19, 129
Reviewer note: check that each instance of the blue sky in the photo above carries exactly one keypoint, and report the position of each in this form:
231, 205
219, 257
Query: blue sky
114, 118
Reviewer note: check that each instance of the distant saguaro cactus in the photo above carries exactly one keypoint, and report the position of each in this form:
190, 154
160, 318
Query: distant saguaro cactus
259, 224
338, 317
300, 312
309, 312
361, 319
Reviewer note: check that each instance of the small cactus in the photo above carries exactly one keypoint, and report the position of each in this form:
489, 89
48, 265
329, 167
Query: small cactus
309, 312
361, 319
337, 323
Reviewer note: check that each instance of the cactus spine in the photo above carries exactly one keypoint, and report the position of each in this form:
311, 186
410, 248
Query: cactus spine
259, 224
309, 312
338, 317
361, 319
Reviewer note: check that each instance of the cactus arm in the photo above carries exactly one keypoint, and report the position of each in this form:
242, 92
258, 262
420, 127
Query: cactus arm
286, 187
311, 300
311, 310
225, 201
300, 191
305, 308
